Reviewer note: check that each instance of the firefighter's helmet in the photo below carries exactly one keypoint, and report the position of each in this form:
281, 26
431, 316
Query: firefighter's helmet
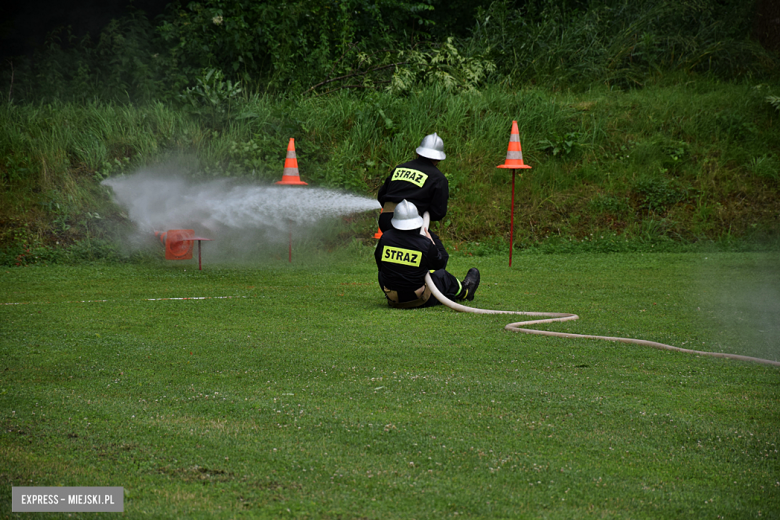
406, 217
432, 147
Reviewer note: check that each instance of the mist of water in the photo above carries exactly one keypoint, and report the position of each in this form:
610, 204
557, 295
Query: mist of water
740, 300
230, 212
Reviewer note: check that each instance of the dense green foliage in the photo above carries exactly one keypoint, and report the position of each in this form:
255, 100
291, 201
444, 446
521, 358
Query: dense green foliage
123, 64
644, 122
294, 45
620, 43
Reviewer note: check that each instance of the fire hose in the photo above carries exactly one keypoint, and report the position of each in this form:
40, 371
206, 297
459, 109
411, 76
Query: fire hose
561, 316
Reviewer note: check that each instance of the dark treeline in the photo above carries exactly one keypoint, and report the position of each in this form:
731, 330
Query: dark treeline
320, 46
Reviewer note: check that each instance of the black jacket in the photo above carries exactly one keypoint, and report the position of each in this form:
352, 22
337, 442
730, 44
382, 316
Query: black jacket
419, 182
403, 258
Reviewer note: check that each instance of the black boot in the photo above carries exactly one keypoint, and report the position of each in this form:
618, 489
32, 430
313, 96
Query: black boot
469, 285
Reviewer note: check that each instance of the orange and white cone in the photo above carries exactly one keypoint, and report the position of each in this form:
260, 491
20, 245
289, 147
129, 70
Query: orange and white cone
290, 175
514, 154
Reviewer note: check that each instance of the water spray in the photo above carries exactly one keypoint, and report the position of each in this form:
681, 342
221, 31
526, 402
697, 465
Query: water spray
156, 203
234, 214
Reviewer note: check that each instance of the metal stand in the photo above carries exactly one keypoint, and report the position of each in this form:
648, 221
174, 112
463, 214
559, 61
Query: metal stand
199, 240
512, 220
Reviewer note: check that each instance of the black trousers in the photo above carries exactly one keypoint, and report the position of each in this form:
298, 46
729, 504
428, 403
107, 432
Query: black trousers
446, 283
442, 279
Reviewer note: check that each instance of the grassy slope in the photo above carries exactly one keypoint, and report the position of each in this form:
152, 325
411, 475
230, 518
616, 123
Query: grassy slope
305, 396
687, 159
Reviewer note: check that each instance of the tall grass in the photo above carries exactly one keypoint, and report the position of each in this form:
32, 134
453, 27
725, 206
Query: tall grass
619, 43
687, 161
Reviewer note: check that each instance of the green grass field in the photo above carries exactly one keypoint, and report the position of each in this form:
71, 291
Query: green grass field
292, 391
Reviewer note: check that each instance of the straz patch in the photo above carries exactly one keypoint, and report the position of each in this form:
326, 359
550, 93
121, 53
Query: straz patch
397, 255
416, 177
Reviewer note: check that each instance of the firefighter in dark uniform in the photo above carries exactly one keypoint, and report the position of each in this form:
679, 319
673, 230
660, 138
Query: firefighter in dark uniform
403, 257
420, 182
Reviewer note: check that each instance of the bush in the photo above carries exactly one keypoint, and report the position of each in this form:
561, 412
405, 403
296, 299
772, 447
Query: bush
619, 43
287, 44
127, 63
658, 194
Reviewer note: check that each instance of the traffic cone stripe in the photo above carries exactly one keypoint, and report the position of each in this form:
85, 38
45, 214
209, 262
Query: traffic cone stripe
514, 154
290, 173
291, 161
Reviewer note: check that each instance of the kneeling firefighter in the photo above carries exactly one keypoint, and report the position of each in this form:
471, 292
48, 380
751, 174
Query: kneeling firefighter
403, 257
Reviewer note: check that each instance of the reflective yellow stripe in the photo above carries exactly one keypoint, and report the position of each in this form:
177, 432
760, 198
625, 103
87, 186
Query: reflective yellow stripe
396, 255
416, 177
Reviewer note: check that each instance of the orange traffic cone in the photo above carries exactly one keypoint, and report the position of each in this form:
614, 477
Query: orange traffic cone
514, 155
378, 233
290, 174
175, 247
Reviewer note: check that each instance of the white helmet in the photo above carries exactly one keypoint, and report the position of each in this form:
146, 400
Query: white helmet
406, 217
432, 147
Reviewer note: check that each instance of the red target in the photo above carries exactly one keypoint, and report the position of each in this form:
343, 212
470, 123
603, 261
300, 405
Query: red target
176, 245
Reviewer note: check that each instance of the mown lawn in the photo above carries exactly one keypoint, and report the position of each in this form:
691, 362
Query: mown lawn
293, 391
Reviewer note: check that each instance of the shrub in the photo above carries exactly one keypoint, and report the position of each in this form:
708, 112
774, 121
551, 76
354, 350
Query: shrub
657, 194
127, 63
